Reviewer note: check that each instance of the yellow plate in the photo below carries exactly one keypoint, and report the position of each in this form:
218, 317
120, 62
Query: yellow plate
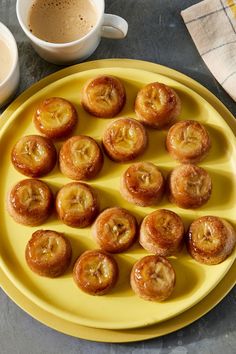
121, 308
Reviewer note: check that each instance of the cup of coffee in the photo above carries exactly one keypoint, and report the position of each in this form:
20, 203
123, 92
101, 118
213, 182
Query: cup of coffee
9, 65
67, 31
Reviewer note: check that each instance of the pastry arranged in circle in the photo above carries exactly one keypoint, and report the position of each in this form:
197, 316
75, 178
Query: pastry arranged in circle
95, 272
55, 117
103, 96
157, 105
189, 186
77, 204
153, 278
210, 239
34, 156
115, 229
80, 158
142, 184
124, 139
30, 202
188, 141
162, 233
48, 253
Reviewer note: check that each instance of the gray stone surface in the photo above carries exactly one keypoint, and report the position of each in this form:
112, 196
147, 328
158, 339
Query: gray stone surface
157, 34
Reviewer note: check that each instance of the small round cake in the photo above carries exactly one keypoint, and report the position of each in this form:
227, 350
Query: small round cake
103, 96
157, 105
30, 202
115, 230
142, 184
55, 117
188, 141
210, 239
95, 272
189, 186
80, 158
48, 253
77, 204
153, 278
34, 156
124, 139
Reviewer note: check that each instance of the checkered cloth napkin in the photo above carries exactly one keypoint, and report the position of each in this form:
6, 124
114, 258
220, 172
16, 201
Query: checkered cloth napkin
212, 26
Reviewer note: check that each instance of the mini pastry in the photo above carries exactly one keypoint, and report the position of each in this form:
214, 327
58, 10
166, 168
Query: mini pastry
142, 184
103, 96
115, 230
210, 239
55, 117
162, 233
153, 278
189, 186
80, 158
77, 204
188, 141
157, 105
124, 139
30, 202
48, 253
34, 156
95, 272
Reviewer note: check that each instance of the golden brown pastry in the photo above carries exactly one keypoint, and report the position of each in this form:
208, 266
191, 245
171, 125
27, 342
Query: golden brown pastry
48, 253
124, 139
77, 204
104, 96
95, 272
188, 141
153, 278
162, 233
189, 186
55, 117
80, 158
30, 202
157, 105
210, 239
34, 156
115, 230
142, 184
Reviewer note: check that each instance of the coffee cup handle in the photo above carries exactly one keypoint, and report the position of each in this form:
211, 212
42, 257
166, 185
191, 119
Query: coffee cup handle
114, 27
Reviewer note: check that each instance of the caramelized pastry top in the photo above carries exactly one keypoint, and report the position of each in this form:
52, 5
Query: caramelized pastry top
34, 155
103, 96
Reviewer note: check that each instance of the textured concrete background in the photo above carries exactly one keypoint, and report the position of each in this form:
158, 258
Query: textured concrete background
157, 34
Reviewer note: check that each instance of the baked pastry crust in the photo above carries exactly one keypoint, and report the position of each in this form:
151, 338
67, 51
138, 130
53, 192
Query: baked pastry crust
95, 272
77, 204
188, 141
153, 278
34, 156
115, 230
103, 96
189, 186
80, 158
157, 105
124, 139
210, 239
30, 202
162, 233
142, 184
55, 117
48, 253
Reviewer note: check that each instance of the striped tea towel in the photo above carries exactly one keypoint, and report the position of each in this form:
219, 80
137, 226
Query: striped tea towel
212, 25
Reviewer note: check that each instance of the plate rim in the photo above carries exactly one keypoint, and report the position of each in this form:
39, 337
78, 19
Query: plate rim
138, 63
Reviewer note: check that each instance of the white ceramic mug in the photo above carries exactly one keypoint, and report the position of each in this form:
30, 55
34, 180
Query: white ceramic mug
9, 85
108, 26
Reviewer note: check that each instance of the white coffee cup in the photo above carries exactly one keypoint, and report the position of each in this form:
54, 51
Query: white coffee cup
108, 26
11, 80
